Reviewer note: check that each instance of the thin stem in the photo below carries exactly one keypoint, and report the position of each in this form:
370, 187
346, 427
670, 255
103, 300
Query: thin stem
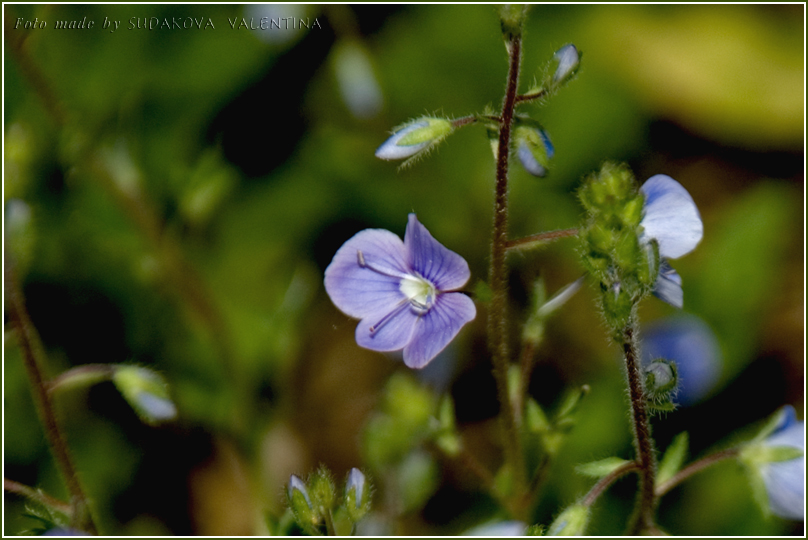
598, 489
644, 519
497, 327
541, 237
36, 495
693, 468
466, 120
329, 524
531, 97
33, 358
81, 375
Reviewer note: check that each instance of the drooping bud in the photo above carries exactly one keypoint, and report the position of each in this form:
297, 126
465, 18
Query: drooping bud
571, 522
415, 137
566, 61
357, 80
533, 147
357, 495
146, 392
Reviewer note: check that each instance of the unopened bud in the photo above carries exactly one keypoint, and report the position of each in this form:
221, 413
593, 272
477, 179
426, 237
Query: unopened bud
414, 137
300, 503
534, 149
567, 60
357, 495
660, 377
147, 393
571, 522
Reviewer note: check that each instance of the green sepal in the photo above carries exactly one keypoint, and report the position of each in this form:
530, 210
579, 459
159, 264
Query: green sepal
435, 131
358, 491
673, 458
600, 468
322, 491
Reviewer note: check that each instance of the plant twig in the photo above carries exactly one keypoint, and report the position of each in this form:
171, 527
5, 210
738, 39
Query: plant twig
33, 358
497, 326
646, 461
693, 468
36, 495
602, 484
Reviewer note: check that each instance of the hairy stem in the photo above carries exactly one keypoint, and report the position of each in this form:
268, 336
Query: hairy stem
695, 467
606, 481
33, 358
497, 326
646, 461
36, 495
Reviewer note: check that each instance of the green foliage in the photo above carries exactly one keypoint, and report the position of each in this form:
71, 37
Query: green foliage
600, 468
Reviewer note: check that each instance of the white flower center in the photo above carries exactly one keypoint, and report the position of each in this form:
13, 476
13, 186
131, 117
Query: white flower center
420, 292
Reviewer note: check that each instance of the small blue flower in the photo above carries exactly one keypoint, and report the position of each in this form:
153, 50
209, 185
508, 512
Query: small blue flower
672, 219
784, 480
568, 59
403, 292
689, 342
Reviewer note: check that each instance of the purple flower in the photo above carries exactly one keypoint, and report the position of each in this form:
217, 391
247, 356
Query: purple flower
401, 291
671, 218
784, 479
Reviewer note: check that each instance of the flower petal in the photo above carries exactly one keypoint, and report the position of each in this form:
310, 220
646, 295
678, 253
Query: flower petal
445, 269
784, 479
529, 161
358, 291
438, 327
392, 328
390, 149
671, 217
668, 286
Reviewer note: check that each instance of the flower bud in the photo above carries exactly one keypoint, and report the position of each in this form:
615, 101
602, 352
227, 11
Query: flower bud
357, 495
571, 522
146, 392
300, 503
660, 378
414, 137
566, 59
534, 149
321, 489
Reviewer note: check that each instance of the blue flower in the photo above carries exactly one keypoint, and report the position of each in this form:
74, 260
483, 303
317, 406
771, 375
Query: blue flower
784, 480
671, 218
689, 342
403, 292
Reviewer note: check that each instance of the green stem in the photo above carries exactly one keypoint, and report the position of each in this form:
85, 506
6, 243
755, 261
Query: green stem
695, 467
33, 358
646, 461
497, 326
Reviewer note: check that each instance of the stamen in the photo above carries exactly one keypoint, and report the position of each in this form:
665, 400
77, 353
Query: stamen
360, 258
401, 305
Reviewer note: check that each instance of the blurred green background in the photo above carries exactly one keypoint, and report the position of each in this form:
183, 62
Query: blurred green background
188, 187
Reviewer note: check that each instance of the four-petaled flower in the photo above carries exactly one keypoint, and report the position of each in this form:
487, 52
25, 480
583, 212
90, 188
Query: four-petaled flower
403, 292
671, 218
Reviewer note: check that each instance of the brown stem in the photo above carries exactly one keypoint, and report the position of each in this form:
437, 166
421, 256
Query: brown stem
36, 495
497, 326
86, 372
466, 120
541, 237
644, 519
607, 480
33, 358
693, 468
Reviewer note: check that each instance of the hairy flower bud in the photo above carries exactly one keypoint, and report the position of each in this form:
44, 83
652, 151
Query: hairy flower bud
566, 60
357, 495
414, 137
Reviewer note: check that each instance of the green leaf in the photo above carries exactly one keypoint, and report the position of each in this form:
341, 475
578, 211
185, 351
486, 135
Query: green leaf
600, 468
672, 460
